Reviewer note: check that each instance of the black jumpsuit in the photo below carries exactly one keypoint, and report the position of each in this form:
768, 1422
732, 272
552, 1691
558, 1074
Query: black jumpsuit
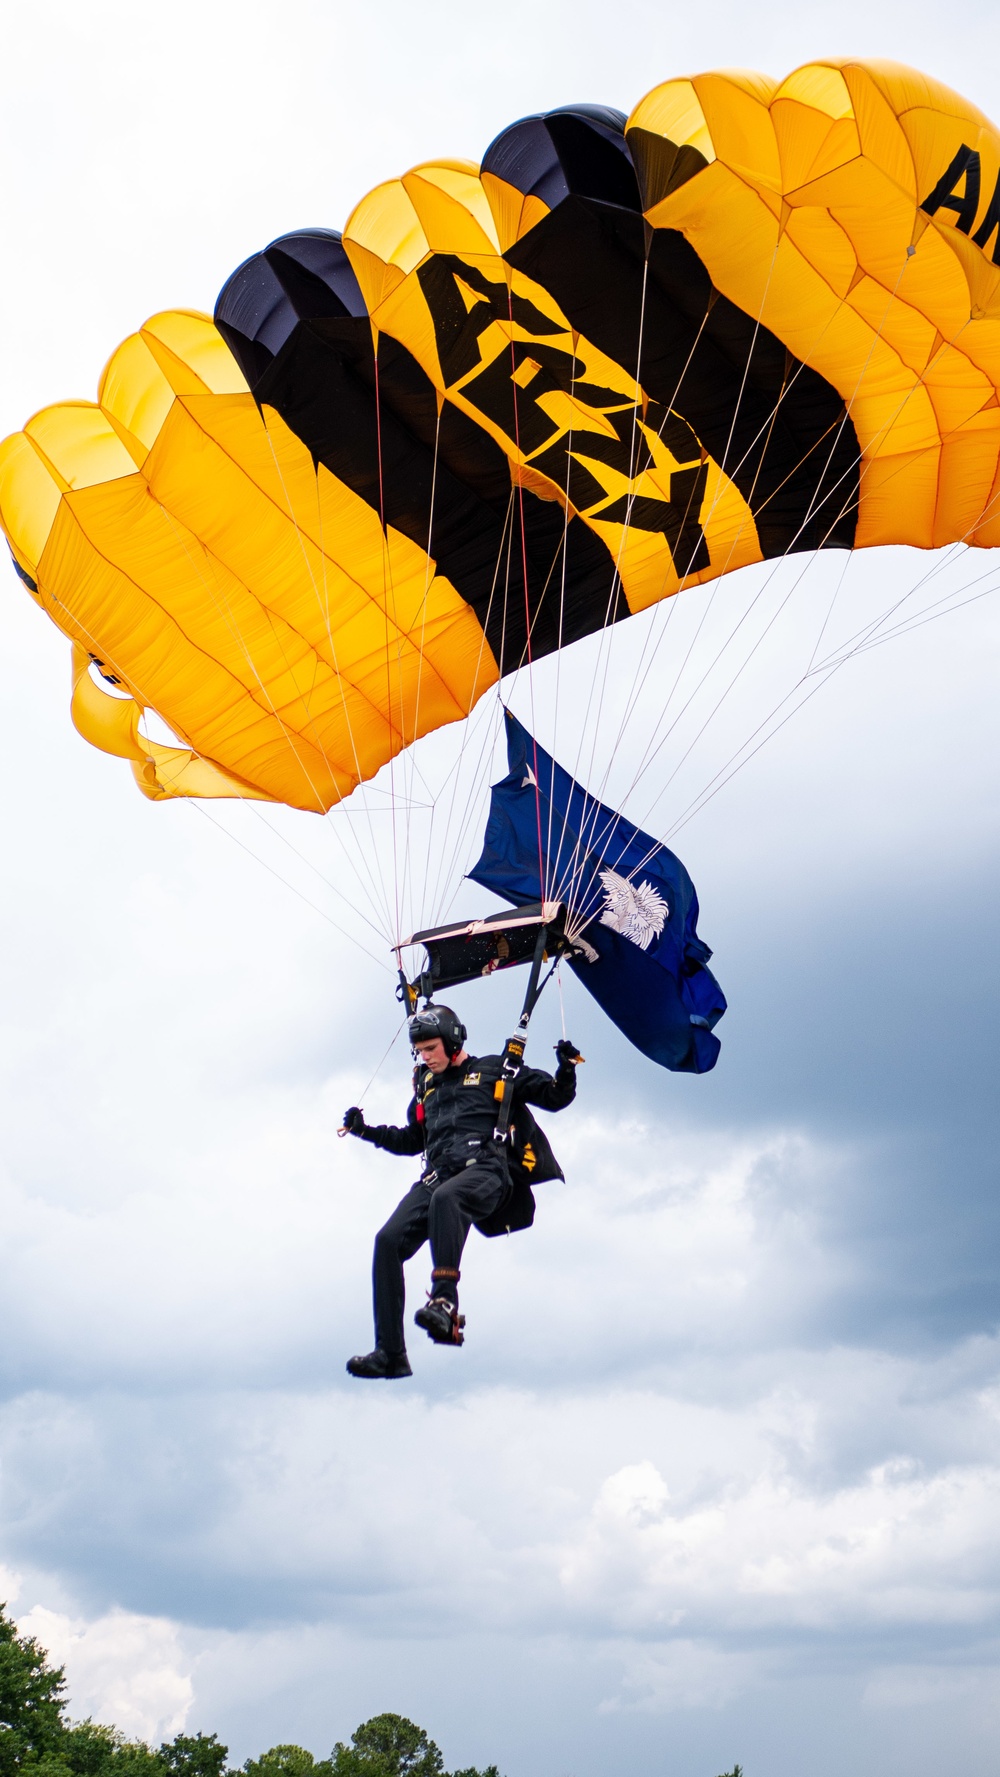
451, 1119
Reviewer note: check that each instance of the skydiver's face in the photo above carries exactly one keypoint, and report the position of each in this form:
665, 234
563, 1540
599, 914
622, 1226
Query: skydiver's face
433, 1055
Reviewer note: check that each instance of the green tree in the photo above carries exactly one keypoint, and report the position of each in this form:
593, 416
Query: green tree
89, 1749
193, 1755
37, 1740
387, 1746
288, 1761
32, 1700
737, 1771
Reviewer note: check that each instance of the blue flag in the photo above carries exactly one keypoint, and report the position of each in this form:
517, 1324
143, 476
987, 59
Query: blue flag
633, 907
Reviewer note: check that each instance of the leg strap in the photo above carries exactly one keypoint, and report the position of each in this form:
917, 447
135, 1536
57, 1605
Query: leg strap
445, 1271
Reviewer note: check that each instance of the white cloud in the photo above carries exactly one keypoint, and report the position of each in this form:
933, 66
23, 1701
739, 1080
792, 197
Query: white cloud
10, 1585
247, 1258
724, 1519
675, 1675
765, 1550
121, 1668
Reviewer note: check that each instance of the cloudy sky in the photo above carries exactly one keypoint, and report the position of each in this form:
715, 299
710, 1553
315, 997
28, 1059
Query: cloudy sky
716, 1475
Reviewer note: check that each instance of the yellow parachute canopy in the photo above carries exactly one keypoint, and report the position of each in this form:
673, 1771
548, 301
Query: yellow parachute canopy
513, 404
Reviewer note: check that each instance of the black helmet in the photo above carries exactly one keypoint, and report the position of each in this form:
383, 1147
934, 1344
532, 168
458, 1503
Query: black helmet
438, 1021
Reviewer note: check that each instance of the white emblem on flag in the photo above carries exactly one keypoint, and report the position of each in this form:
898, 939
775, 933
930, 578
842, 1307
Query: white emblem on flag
530, 781
639, 914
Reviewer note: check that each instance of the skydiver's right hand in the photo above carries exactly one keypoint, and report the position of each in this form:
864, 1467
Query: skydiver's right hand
354, 1121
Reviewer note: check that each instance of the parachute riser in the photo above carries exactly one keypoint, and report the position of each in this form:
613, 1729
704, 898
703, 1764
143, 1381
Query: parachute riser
408, 992
513, 1050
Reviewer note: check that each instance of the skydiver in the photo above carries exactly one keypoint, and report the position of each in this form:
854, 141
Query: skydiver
468, 1175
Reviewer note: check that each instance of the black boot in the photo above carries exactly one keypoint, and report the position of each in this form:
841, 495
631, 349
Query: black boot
441, 1321
381, 1365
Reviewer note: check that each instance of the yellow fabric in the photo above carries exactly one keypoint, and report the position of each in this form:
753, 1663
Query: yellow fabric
190, 545
112, 724
435, 208
805, 217
192, 548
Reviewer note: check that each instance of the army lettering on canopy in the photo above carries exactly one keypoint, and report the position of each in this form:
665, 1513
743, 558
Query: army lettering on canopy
508, 390
945, 196
429, 471
966, 170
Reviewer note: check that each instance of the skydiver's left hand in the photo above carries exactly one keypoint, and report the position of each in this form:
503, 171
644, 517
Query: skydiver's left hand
567, 1053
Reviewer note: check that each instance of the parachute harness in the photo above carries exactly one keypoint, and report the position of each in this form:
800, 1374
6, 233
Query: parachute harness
513, 1050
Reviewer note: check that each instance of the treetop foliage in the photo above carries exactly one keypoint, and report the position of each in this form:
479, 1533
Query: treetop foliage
38, 1740
287, 1761
32, 1701
388, 1746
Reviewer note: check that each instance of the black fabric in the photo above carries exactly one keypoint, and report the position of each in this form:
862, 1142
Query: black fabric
296, 321
530, 1159
406, 1138
578, 148
662, 166
468, 1177
798, 469
442, 1213
22, 574
452, 1117
514, 1212
796, 464
322, 383
310, 356
966, 167
298, 277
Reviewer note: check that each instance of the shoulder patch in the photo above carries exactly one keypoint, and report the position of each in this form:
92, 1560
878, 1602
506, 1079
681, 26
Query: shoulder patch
472, 1079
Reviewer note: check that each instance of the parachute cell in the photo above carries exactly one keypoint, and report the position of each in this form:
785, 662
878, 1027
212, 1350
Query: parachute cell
199, 559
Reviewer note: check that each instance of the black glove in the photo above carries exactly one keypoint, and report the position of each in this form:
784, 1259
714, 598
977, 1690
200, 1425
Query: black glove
354, 1121
568, 1054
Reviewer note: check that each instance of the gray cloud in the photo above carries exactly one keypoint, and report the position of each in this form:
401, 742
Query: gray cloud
715, 1474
